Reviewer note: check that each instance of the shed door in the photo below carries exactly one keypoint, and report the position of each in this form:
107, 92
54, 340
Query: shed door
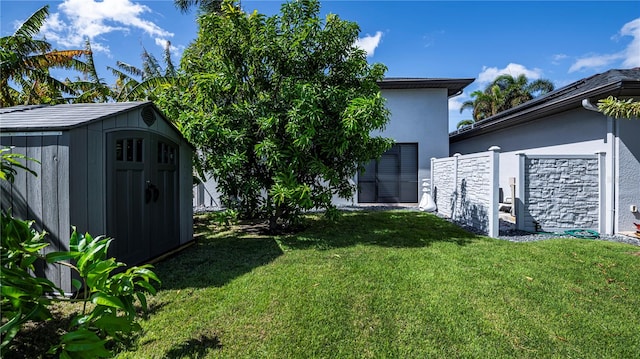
391, 179
142, 190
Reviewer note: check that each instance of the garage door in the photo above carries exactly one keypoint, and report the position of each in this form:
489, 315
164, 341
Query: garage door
391, 179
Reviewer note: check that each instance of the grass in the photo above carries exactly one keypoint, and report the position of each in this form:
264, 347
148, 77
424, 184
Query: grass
394, 284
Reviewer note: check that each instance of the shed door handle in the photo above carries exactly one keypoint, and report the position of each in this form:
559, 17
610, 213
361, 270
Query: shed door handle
151, 192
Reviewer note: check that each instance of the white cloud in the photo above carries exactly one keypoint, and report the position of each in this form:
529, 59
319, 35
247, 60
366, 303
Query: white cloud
630, 56
632, 52
489, 74
80, 19
369, 43
595, 61
556, 59
456, 102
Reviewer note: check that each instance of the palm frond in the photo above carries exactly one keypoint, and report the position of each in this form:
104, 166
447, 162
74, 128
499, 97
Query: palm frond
142, 90
170, 70
31, 27
130, 69
150, 65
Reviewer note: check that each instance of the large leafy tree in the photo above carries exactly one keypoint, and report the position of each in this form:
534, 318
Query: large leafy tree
503, 93
281, 108
25, 64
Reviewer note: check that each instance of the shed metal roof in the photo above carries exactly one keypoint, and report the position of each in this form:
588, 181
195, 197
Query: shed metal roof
615, 82
60, 117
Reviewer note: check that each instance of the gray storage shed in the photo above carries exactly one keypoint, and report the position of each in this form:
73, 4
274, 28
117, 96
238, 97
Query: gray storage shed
118, 169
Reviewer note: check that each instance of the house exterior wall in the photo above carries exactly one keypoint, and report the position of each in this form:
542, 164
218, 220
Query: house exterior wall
419, 116
574, 132
628, 170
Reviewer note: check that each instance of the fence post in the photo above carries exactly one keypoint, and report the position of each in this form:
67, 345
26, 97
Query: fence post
519, 200
602, 188
494, 188
431, 185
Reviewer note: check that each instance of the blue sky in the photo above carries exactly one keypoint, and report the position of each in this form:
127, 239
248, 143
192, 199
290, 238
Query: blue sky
559, 41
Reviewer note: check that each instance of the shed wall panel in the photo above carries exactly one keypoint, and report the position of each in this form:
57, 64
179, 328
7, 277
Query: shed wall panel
133, 118
96, 195
78, 210
19, 198
122, 121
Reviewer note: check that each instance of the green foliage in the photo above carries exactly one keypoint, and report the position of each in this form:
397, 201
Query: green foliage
22, 294
465, 123
226, 217
9, 162
25, 64
281, 108
111, 291
503, 93
616, 108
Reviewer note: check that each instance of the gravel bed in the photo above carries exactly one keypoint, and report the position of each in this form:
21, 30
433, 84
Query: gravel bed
521, 236
507, 232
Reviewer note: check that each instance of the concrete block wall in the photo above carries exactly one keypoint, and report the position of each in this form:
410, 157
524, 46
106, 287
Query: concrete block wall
561, 192
443, 184
474, 186
465, 189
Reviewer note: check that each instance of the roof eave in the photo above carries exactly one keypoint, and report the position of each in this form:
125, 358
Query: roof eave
454, 86
537, 110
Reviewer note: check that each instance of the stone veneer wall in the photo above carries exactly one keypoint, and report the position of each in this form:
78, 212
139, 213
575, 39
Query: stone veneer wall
443, 185
561, 192
465, 189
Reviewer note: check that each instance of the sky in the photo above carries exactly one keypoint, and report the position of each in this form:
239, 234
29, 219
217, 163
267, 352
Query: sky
560, 41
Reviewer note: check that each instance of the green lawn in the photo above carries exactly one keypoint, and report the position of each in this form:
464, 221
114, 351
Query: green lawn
397, 284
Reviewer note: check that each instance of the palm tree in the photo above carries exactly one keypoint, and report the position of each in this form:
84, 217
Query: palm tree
25, 63
503, 93
465, 123
92, 88
519, 90
135, 83
485, 103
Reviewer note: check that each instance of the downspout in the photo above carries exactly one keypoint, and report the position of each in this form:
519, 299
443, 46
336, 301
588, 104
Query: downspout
611, 138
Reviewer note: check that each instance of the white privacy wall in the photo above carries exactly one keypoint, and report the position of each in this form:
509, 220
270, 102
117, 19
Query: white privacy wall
465, 189
560, 192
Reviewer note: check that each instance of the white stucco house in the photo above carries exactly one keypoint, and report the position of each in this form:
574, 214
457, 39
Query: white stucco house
560, 129
418, 124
